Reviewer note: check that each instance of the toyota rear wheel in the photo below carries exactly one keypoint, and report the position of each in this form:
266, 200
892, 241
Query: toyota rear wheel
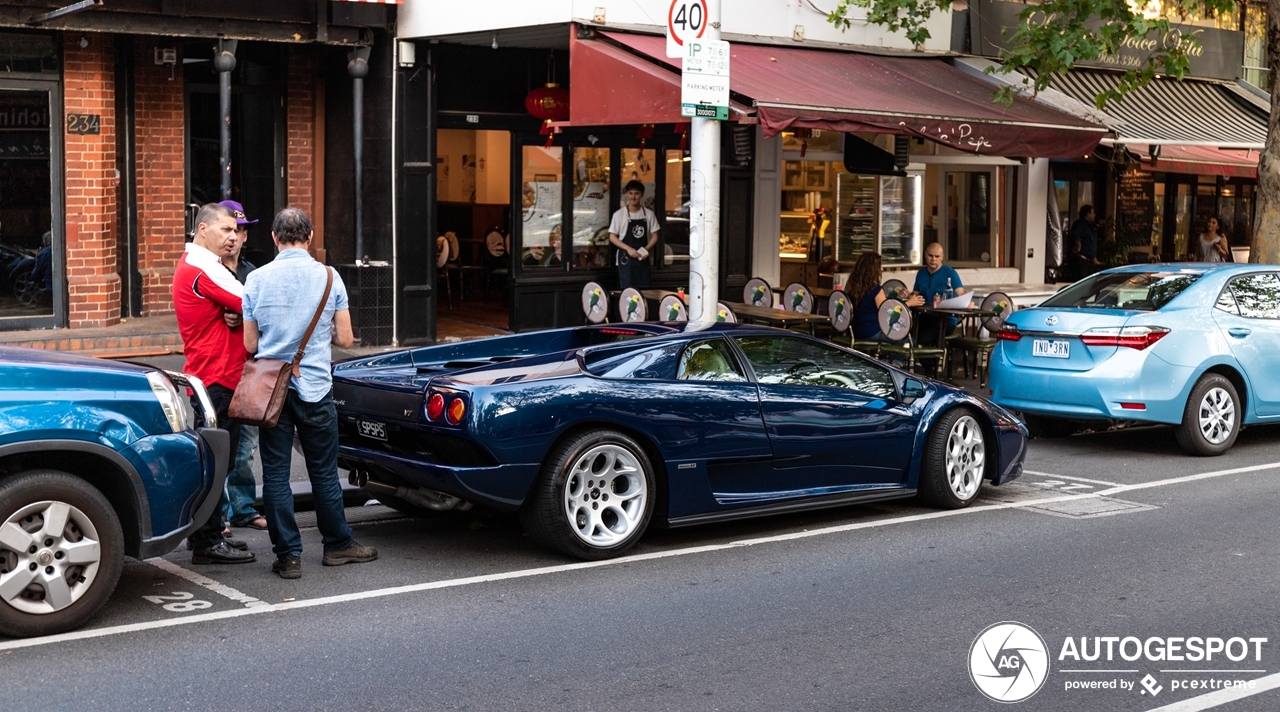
595, 497
955, 461
1211, 419
61, 553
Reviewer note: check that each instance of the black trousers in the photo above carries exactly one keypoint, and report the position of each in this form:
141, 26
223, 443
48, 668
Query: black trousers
210, 532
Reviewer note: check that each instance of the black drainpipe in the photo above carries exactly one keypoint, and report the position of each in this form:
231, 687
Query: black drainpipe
126, 165
225, 62
358, 68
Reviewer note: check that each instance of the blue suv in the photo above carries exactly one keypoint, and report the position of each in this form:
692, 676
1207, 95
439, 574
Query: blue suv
98, 460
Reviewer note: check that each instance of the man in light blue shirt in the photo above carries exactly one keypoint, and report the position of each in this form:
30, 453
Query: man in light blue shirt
280, 299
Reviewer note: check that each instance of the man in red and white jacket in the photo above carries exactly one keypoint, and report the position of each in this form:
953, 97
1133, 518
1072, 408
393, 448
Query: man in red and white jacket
206, 298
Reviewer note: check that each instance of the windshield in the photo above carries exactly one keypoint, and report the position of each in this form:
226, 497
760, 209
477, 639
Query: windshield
1143, 291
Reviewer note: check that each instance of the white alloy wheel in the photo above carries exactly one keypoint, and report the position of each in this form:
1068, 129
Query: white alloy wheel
50, 553
1216, 415
605, 495
966, 458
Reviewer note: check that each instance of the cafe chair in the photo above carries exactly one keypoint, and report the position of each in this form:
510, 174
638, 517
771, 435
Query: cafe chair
724, 314
671, 308
757, 293
840, 312
442, 269
797, 298
895, 289
497, 245
977, 344
632, 306
595, 303
897, 325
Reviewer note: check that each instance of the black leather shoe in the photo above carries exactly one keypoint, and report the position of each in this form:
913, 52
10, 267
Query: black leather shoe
240, 544
288, 566
220, 553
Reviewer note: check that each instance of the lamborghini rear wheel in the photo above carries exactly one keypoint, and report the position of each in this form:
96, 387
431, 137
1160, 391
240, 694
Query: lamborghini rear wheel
595, 497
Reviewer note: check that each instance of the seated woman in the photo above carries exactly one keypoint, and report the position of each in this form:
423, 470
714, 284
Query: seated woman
864, 287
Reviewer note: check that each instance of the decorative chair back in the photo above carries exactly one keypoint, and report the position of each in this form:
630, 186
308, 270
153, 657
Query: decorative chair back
455, 248
895, 320
725, 314
797, 299
895, 289
595, 303
442, 252
840, 310
631, 305
1002, 305
496, 243
672, 309
757, 293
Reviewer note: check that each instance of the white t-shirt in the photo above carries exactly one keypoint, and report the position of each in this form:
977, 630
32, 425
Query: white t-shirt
622, 216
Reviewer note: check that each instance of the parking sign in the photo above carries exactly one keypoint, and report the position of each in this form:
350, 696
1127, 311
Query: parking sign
686, 20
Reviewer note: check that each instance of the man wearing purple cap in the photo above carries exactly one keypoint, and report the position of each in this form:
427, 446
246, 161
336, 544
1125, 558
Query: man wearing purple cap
241, 485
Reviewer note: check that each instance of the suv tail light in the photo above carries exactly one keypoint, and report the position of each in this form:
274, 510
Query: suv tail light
457, 409
1132, 337
435, 406
1009, 332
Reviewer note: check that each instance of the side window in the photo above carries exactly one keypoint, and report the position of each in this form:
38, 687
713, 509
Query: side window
654, 363
1227, 302
1257, 295
786, 360
709, 360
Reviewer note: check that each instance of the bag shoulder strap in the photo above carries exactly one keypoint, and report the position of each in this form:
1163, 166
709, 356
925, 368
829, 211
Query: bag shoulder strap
324, 300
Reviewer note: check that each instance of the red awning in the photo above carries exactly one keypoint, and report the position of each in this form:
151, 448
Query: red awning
918, 96
1200, 160
610, 86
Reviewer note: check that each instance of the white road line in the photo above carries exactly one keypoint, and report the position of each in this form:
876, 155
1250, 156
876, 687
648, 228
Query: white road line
1223, 696
529, 573
1074, 479
1097, 671
1224, 672
205, 581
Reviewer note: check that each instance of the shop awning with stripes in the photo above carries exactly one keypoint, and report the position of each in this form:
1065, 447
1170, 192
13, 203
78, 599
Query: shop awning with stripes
1198, 160
1167, 112
792, 88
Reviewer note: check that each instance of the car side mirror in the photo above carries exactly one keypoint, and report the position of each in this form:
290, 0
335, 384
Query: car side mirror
911, 390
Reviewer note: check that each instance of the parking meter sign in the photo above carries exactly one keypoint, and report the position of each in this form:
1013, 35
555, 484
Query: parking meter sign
704, 80
686, 20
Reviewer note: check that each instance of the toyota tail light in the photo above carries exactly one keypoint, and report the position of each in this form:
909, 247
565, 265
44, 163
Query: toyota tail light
1130, 337
1009, 332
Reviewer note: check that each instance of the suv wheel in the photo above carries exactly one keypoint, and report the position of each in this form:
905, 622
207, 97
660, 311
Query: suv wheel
61, 552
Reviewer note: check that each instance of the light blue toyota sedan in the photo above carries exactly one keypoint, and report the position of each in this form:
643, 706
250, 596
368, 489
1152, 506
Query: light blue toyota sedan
1196, 346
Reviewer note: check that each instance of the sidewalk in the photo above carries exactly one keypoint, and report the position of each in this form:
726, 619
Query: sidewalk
158, 336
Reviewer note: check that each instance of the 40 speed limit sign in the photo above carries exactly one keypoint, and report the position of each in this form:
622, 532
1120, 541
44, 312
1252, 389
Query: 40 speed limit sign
686, 20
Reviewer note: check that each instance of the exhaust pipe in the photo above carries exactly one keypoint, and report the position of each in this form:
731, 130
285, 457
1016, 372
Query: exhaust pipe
419, 497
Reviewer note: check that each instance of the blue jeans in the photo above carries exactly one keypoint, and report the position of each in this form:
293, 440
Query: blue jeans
241, 486
317, 428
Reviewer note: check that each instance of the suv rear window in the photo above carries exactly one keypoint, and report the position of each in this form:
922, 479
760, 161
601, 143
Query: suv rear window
1142, 291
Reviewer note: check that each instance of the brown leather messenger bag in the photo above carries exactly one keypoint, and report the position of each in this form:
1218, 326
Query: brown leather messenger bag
259, 398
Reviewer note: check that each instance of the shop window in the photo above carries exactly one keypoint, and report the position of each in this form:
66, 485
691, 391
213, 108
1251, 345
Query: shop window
27, 266
1157, 218
591, 173
28, 53
1254, 62
970, 216
541, 213
874, 213
675, 231
1181, 220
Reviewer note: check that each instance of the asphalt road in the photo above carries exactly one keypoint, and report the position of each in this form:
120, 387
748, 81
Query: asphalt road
862, 608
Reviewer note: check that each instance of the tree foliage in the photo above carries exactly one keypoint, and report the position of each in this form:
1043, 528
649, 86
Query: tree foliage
1054, 35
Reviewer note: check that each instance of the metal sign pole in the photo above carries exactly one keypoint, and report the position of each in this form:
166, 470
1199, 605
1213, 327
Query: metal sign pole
704, 203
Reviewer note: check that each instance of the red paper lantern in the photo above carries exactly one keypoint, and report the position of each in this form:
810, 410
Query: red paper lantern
549, 103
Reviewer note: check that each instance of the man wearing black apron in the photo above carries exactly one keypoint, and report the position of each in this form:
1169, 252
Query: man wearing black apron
634, 232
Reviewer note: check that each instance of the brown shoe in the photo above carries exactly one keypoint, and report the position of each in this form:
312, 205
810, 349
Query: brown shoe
353, 554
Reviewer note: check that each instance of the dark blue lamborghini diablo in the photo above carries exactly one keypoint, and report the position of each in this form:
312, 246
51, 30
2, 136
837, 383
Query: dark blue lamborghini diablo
593, 432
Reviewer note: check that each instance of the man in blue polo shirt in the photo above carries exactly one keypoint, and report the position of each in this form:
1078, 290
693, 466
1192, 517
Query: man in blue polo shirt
933, 282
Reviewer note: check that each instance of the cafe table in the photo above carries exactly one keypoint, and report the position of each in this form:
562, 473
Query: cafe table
775, 317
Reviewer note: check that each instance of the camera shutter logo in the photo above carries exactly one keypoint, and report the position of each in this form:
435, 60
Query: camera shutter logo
1008, 662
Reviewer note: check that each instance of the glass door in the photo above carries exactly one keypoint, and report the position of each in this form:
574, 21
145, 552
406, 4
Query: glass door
972, 212
31, 251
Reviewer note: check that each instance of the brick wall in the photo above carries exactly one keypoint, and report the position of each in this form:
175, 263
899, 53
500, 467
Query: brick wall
93, 286
303, 139
160, 128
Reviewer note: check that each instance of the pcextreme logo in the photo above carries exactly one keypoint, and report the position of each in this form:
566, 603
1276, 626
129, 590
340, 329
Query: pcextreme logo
1008, 662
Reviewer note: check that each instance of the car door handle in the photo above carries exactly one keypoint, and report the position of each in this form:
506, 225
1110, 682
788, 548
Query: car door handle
1239, 332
